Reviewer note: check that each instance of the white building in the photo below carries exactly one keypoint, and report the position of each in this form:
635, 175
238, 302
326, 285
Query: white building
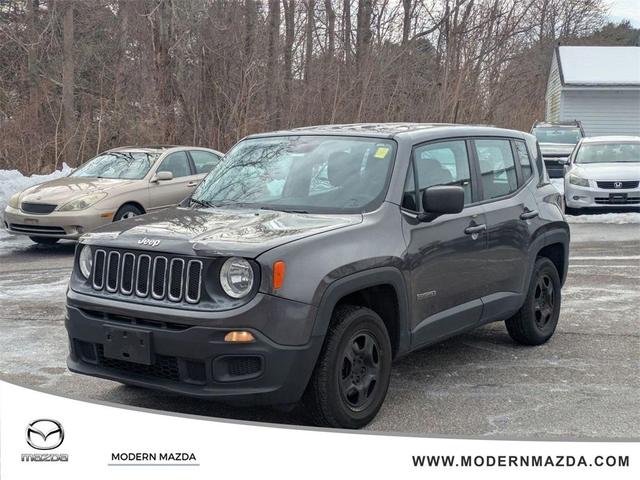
600, 86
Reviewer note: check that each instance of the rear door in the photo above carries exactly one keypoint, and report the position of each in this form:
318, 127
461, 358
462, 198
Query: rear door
446, 256
203, 162
167, 193
511, 213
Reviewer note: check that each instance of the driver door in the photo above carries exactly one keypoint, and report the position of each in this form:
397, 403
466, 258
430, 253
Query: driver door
446, 256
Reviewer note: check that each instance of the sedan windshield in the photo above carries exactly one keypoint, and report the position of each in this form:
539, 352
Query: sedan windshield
622, 152
130, 165
557, 135
321, 174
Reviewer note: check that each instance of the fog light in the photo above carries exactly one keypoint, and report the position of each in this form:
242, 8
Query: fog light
239, 337
576, 197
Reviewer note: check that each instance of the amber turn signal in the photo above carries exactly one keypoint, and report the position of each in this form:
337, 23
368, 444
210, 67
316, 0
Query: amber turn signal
279, 268
239, 337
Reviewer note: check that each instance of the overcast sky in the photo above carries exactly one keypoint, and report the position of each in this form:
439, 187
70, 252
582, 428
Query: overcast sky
625, 9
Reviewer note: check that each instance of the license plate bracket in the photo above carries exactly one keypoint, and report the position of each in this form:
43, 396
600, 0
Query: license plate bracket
617, 197
127, 344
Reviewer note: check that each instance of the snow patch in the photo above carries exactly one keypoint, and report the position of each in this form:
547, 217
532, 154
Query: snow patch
12, 181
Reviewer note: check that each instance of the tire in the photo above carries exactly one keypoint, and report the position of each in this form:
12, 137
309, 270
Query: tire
350, 380
44, 240
537, 319
127, 211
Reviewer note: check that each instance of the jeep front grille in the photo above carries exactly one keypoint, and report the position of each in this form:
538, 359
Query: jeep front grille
159, 277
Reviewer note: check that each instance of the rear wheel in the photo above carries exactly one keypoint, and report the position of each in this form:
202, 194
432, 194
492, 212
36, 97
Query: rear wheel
44, 240
127, 211
351, 379
536, 321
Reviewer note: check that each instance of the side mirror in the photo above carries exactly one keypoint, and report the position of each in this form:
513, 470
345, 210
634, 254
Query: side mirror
162, 177
440, 200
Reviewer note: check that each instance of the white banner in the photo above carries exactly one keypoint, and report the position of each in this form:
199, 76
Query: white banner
43, 436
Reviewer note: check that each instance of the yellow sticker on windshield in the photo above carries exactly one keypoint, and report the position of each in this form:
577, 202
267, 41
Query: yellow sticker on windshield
381, 152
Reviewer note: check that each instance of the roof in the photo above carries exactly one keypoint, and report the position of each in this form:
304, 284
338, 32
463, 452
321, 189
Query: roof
611, 138
599, 66
388, 130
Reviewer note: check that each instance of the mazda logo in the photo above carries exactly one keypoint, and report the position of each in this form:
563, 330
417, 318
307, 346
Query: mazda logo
149, 242
617, 184
45, 434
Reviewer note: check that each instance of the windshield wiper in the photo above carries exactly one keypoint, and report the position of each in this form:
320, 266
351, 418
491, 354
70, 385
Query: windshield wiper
202, 203
286, 210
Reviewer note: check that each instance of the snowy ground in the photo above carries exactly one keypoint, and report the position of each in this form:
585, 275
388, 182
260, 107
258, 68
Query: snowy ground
583, 383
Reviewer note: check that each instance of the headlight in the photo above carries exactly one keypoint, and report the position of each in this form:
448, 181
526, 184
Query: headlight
82, 203
85, 261
14, 201
236, 277
575, 180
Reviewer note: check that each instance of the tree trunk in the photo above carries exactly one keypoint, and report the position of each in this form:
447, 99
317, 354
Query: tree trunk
272, 89
331, 28
289, 38
308, 39
363, 32
346, 31
164, 83
406, 21
68, 111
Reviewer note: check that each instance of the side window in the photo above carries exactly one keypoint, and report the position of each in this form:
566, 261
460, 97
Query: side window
497, 167
204, 161
525, 161
176, 163
443, 163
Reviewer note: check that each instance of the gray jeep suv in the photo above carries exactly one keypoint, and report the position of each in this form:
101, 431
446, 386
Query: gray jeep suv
310, 259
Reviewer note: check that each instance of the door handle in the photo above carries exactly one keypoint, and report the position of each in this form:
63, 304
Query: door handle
470, 230
528, 214
192, 184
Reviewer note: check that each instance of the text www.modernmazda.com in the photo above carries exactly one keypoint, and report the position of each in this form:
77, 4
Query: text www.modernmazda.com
519, 461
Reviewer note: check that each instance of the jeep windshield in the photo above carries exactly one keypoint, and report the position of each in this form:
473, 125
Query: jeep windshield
129, 165
623, 152
310, 173
557, 135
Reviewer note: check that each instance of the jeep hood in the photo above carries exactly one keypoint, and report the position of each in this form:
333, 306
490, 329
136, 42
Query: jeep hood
215, 231
556, 149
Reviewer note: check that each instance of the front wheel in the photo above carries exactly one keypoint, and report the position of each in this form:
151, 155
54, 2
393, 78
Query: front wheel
351, 379
537, 319
127, 211
44, 240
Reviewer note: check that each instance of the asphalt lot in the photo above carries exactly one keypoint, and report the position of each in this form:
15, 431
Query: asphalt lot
585, 382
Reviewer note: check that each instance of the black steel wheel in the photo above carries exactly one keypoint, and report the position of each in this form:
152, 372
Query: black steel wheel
351, 378
537, 319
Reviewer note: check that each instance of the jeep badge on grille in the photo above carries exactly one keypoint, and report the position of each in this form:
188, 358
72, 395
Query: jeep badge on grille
149, 242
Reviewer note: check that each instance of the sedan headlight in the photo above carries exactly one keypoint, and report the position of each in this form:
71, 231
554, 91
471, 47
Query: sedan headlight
581, 182
236, 277
14, 201
82, 203
85, 261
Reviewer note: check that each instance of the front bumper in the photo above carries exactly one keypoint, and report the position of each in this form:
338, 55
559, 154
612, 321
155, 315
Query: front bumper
593, 197
64, 225
192, 359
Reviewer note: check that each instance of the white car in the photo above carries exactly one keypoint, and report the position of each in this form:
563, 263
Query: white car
603, 172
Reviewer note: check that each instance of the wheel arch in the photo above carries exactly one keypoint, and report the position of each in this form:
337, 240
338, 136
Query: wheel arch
130, 202
370, 288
